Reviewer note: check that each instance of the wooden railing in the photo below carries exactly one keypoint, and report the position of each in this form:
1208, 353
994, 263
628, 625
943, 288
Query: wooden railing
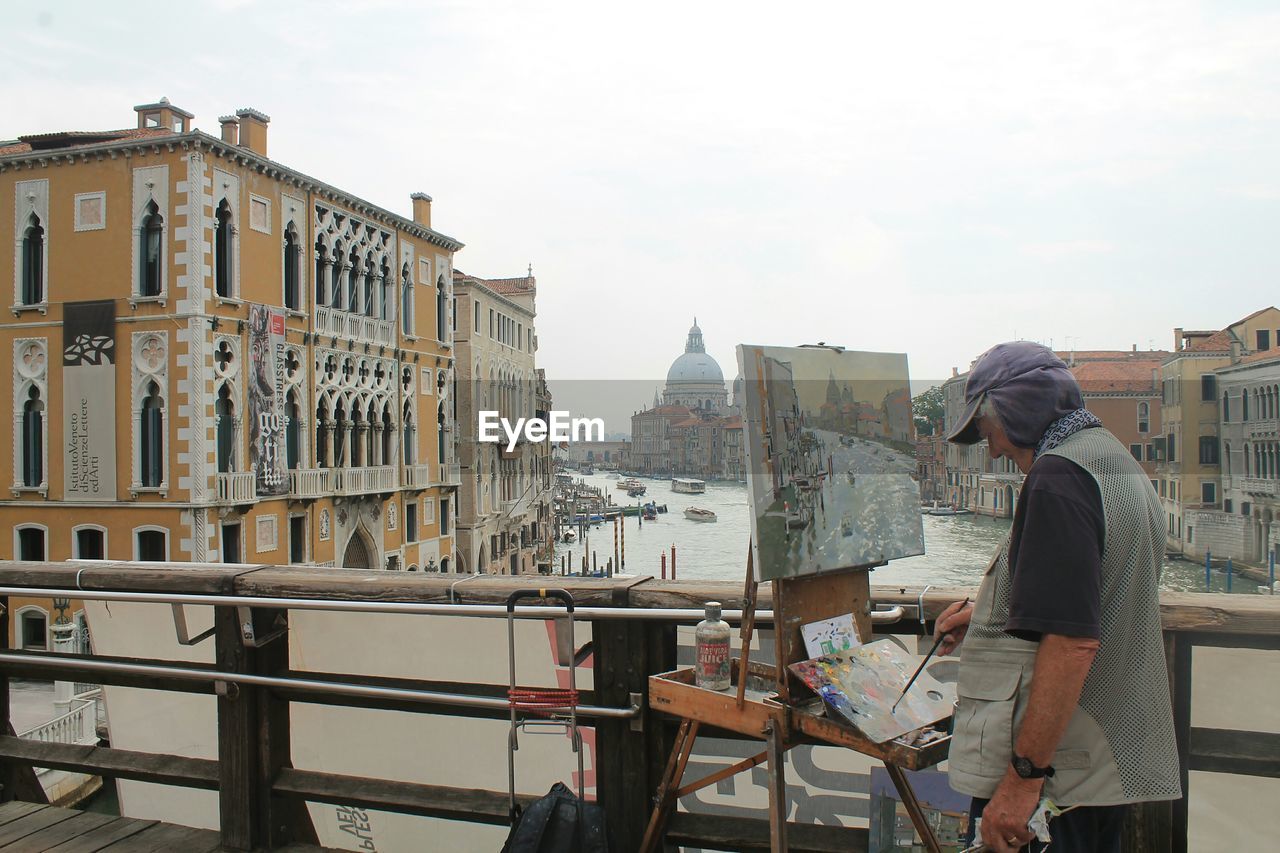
261, 795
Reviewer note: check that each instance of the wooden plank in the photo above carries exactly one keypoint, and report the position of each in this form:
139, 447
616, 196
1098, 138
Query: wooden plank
15, 809
109, 761
16, 830
281, 819
167, 837
469, 804
118, 575
103, 836
810, 598
78, 824
719, 832
1232, 751
237, 738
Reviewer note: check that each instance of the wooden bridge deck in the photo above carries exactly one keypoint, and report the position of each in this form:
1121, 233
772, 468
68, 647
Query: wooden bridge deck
34, 828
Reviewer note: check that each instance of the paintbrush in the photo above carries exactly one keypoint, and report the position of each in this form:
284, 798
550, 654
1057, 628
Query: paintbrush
920, 668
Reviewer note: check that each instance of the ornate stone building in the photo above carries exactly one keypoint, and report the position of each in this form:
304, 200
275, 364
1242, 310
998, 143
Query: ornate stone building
695, 379
256, 366
505, 523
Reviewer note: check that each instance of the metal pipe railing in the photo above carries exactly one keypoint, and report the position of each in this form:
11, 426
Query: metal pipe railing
492, 611
459, 700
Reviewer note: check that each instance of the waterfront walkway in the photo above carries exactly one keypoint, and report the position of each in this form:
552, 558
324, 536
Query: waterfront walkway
33, 828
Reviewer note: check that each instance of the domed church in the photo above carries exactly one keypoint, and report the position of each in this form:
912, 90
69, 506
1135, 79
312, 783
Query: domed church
695, 380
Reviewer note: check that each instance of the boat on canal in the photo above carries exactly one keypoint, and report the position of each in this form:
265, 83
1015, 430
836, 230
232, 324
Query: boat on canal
688, 485
694, 513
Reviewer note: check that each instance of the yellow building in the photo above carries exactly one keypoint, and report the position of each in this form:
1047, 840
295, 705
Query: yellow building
255, 365
1189, 474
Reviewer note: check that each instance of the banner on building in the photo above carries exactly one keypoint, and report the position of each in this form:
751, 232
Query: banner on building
89, 400
266, 400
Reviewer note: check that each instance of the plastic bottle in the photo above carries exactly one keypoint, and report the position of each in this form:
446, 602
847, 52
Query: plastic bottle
711, 669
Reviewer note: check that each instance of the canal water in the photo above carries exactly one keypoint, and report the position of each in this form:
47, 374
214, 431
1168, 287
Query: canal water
957, 548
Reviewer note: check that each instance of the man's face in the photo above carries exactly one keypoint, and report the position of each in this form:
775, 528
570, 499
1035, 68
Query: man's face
998, 444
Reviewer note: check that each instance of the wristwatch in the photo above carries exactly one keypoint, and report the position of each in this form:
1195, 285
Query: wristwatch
1025, 769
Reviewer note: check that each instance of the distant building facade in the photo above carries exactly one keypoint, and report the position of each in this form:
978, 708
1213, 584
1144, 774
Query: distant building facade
505, 522
1190, 472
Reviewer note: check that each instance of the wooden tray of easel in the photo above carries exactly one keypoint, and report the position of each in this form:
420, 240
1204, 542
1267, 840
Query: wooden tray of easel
802, 722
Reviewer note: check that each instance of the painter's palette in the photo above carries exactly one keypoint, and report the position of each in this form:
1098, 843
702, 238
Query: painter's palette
862, 684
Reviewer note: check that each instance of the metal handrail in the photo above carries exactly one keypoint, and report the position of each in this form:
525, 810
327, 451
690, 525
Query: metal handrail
492, 611
460, 700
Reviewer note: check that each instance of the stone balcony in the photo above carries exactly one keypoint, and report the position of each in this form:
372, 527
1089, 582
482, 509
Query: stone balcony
309, 483
450, 474
1259, 486
347, 326
1262, 428
236, 487
416, 476
364, 480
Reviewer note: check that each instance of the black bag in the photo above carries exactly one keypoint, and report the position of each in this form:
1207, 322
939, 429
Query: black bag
559, 823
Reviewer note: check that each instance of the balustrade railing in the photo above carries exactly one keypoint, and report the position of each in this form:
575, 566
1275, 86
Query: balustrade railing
236, 487
309, 482
364, 480
343, 324
1262, 428
416, 476
1258, 486
450, 474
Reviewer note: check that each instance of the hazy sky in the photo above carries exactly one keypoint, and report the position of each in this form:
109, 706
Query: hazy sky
927, 178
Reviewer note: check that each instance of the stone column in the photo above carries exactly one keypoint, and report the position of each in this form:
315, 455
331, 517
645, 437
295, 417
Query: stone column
64, 642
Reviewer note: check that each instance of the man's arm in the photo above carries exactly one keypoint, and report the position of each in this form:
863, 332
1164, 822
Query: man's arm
1061, 666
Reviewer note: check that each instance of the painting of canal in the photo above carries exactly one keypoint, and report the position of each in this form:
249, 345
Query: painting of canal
830, 459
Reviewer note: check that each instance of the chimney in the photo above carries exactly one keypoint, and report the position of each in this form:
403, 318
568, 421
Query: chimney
230, 129
954, 373
163, 114
1135, 347
253, 130
1155, 377
1177, 339
422, 209
1235, 350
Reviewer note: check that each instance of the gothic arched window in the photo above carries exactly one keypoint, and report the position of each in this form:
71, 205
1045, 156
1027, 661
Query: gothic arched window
150, 282
33, 262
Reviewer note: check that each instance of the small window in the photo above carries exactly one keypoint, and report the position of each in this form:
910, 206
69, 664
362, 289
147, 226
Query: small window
1135, 450
1226, 408
411, 522
150, 280
1208, 493
292, 264
33, 439
1264, 339
1209, 450
223, 255
1162, 489
1208, 387
152, 119
152, 547
1190, 534
33, 262
35, 630
1245, 507
90, 544
444, 516
1172, 448
1227, 505
1144, 417
476, 321
297, 539
31, 543
231, 543
151, 439
1151, 453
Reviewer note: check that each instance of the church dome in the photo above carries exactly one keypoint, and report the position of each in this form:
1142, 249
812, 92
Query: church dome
695, 367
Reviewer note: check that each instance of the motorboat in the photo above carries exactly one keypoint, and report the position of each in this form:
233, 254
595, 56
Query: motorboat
635, 491
630, 483
694, 513
688, 485
570, 535
650, 512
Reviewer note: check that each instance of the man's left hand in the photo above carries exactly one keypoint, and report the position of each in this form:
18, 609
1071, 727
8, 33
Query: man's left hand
1004, 820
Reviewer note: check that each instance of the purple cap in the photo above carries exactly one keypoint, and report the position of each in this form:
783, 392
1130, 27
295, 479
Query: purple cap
1029, 387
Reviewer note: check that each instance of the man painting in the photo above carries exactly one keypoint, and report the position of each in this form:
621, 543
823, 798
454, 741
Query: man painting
1071, 599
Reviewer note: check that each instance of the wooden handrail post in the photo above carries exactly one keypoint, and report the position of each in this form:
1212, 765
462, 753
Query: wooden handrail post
283, 820
238, 732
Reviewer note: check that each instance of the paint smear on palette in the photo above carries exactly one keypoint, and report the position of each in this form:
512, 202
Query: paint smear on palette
862, 684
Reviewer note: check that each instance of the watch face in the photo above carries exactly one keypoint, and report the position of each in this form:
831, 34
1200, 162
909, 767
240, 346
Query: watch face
1023, 767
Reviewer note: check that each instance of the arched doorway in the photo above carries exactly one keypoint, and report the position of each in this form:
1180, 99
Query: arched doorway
358, 554
481, 561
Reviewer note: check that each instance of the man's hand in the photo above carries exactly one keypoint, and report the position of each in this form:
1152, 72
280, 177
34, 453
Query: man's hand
1004, 820
953, 622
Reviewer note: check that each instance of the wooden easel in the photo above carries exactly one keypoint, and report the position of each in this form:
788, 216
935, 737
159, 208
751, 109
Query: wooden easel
778, 721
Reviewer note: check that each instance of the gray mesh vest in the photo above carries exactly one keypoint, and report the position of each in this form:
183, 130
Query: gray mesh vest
1119, 746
